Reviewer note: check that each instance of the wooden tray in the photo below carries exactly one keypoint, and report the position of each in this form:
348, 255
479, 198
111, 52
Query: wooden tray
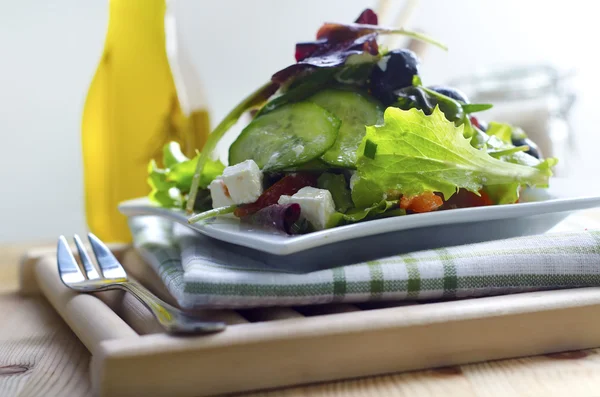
277, 347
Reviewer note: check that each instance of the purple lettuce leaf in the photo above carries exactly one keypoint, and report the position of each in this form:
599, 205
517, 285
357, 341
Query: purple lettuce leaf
279, 217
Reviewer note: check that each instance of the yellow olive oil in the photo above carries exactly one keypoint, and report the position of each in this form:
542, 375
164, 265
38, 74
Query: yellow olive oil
130, 112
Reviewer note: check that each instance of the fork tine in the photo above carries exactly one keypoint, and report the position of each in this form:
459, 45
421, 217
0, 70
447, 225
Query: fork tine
68, 269
110, 266
88, 266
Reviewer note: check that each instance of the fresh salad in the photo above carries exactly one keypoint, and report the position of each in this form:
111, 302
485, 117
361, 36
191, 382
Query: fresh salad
349, 133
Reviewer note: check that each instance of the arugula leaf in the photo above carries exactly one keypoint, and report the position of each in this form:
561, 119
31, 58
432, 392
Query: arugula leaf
337, 186
418, 153
476, 107
498, 154
211, 213
426, 99
451, 108
422, 98
497, 145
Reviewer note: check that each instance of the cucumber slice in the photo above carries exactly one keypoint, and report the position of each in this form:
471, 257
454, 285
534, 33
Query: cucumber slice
289, 136
312, 166
356, 111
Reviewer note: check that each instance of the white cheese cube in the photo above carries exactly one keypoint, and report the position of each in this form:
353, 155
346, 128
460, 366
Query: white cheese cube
316, 205
244, 181
219, 194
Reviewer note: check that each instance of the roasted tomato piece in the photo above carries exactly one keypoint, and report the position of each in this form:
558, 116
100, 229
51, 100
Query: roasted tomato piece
424, 202
466, 199
287, 185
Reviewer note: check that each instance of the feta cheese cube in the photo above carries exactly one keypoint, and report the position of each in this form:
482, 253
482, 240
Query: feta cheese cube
316, 205
219, 194
244, 181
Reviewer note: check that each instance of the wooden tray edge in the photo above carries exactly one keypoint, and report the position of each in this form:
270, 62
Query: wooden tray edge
241, 360
91, 319
316, 349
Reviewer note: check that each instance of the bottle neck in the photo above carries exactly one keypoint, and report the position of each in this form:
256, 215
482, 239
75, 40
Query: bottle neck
137, 19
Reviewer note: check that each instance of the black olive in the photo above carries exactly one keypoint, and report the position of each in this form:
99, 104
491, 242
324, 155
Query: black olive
534, 150
394, 71
450, 92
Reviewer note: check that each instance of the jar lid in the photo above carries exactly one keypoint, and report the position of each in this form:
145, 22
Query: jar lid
509, 83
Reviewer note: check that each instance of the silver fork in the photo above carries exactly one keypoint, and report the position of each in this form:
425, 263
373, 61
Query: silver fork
113, 276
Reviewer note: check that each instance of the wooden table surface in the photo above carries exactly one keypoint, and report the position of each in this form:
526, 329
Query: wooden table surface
40, 356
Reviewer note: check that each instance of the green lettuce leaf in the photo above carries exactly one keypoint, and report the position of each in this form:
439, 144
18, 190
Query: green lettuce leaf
498, 143
418, 153
183, 173
180, 169
381, 210
338, 187
509, 193
163, 191
503, 194
171, 184
501, 131
172, 154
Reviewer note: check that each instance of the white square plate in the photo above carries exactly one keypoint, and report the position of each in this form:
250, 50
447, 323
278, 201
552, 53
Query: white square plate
540, 210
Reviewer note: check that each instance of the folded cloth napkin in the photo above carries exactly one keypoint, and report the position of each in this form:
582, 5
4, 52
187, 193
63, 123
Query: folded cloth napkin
202, 273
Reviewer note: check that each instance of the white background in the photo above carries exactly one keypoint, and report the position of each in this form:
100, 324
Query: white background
50, 50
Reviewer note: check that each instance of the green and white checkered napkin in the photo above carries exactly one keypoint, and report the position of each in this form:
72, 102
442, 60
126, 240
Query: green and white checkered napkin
202, 274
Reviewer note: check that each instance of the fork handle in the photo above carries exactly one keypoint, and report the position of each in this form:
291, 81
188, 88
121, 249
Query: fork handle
172, 319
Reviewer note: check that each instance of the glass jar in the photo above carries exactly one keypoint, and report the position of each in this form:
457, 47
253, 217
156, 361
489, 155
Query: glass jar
533, 97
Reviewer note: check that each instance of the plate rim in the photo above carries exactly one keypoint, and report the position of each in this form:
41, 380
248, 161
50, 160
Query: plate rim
286, 245
293, 244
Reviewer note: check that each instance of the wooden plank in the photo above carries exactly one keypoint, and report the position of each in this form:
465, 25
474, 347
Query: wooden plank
322, 348
39, 355
441, 382
9, 273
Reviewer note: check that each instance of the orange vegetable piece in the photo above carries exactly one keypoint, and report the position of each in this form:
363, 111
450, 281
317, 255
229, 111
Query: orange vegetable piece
424, 202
